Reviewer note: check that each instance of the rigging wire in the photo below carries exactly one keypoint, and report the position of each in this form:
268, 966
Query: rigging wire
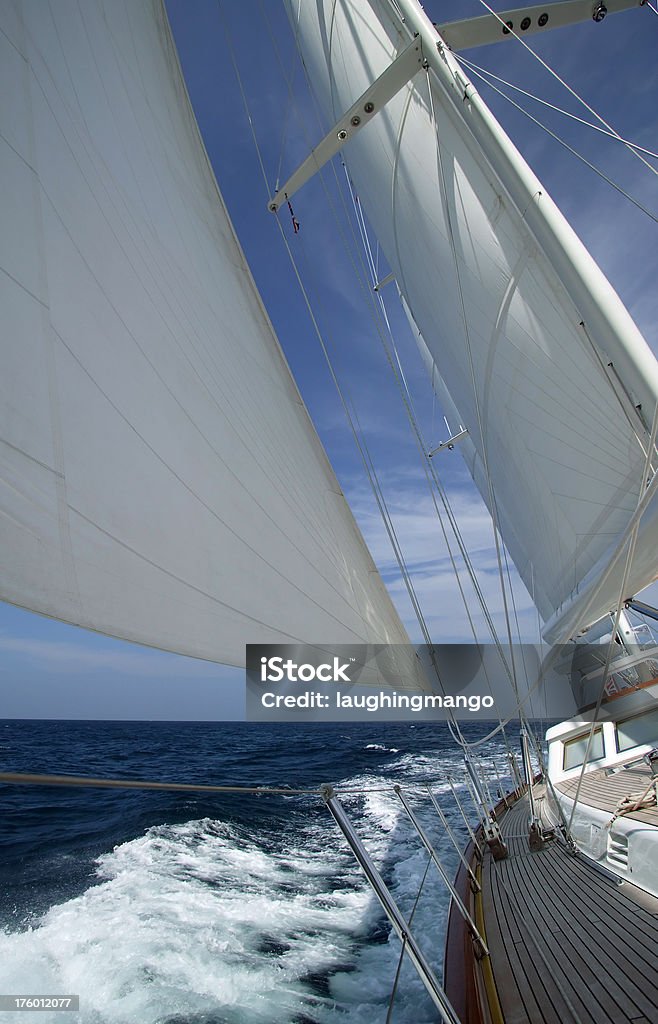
547, 664
478, 410
566, 85
409, 404
399, 375
373, 478
347, 405
290, 100
549, 661
412, 419
362, 446
360, 441
368, 463
552, 106
457, 734
565, 145
406, 397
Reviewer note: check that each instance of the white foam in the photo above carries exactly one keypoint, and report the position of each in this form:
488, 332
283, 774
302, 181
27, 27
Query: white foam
210, 918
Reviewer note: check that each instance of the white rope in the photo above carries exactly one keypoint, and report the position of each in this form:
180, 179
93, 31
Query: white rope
633, 802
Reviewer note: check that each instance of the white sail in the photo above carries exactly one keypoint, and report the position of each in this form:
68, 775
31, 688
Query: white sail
521, 345
160, 479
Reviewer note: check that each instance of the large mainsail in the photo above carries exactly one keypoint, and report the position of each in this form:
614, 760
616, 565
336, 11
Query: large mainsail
160, 479
532, 350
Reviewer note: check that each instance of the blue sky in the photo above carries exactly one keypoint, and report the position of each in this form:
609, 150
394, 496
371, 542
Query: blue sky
51, 670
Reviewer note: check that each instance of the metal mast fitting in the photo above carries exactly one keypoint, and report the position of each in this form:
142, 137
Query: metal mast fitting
527, 21
642, 608
374, 99
450, 443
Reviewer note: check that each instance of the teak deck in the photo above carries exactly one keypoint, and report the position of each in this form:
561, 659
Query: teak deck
568, 944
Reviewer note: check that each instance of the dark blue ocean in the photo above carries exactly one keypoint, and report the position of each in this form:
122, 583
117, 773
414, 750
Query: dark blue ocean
222, 909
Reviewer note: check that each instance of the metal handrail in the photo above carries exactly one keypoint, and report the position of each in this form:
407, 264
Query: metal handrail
400, 926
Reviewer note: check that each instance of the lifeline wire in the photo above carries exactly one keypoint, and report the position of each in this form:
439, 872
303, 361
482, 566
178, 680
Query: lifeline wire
32, 779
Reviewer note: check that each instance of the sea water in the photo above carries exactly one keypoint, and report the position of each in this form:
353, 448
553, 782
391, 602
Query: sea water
184, 908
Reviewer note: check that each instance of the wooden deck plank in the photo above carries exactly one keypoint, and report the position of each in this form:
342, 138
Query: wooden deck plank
516, 996
545, 949
538, 985
517, 986
551, 1007
638, 967
561, 933
598, 972
609, 903
615, 901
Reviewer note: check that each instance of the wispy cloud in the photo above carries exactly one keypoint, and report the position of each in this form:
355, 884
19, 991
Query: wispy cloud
68, 657
427, 557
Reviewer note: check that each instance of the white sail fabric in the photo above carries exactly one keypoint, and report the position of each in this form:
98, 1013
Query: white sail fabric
557, 430
160, 479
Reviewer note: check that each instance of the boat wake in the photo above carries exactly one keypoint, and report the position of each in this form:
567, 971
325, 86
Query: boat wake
207, 921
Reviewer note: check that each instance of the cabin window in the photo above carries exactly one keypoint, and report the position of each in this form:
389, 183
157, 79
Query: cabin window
637, 731
574, 750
